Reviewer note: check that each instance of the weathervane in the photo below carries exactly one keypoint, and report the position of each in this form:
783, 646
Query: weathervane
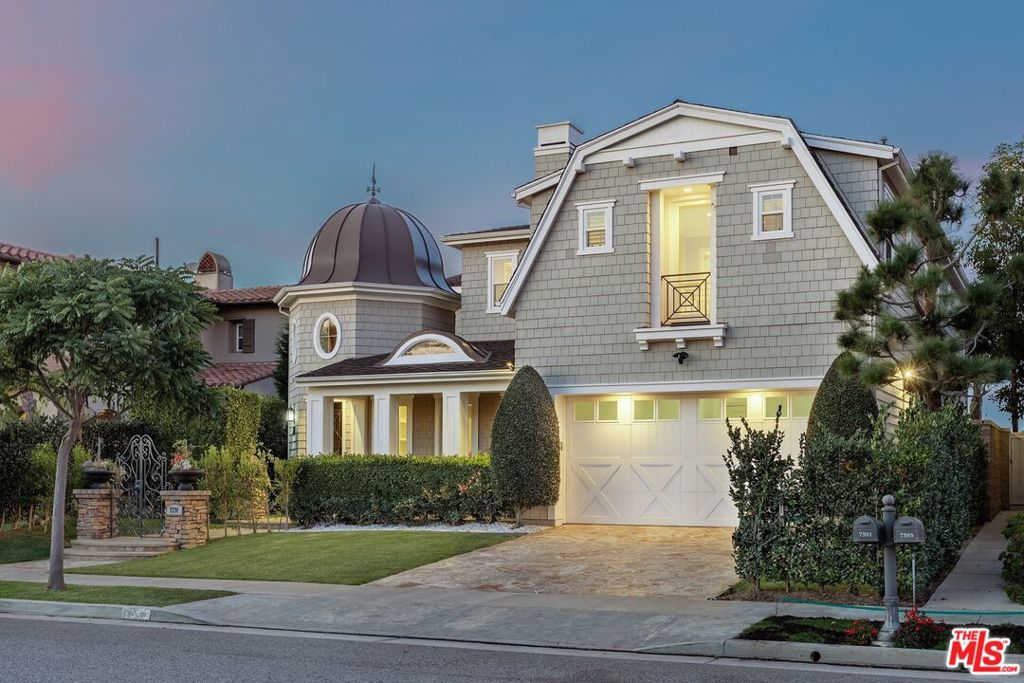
373, 189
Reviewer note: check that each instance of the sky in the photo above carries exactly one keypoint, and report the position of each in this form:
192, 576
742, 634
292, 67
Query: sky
240, 127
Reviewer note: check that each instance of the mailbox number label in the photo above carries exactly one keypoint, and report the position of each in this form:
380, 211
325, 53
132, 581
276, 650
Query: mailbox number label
865, 534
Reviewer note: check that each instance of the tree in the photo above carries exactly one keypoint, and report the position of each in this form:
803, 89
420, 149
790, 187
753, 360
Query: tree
81, 329
281, 369
525, 448
843, 405
914, 317
996, 252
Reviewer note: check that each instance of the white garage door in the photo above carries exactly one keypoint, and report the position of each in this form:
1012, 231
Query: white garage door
658, 459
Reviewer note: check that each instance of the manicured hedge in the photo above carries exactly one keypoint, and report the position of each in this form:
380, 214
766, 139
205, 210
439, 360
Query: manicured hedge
1013, 557
935, 466
388, 489
18, 481
842, 404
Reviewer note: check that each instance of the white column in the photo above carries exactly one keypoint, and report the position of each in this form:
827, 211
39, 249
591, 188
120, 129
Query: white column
382, 423
451, 423
314, 426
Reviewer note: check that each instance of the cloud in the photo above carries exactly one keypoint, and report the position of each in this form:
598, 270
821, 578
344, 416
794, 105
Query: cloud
43, 117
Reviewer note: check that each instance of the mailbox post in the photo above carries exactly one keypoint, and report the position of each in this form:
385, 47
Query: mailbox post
889, 533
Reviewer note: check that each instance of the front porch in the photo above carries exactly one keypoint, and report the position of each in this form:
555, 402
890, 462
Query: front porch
447, 419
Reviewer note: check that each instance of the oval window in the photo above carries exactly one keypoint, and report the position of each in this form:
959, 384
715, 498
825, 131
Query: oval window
327, 335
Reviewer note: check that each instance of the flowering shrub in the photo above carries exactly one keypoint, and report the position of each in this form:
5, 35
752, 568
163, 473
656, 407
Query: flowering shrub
861, 632
181, 463
920, 631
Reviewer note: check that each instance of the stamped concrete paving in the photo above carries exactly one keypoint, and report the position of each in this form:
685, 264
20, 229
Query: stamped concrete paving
685, 562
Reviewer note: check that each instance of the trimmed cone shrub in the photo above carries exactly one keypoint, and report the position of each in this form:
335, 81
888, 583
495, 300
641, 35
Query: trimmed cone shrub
525, 448
843, 405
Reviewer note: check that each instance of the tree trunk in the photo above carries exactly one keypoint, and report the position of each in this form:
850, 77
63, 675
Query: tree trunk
60, 487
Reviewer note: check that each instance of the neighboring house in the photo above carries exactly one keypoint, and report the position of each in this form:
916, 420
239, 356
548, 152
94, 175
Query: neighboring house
12, 256
676, 271
242, 342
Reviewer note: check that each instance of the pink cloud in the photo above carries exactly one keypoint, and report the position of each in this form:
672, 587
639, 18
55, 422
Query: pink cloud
42, 124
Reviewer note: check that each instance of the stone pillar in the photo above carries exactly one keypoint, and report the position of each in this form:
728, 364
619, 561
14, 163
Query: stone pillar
97, 513
187, 517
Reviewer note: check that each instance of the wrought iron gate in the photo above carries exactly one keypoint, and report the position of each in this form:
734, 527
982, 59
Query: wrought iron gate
143, 476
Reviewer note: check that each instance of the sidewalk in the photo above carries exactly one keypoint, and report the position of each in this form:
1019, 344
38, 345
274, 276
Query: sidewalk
975, 583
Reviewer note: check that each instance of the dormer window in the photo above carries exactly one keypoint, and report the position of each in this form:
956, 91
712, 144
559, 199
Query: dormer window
433, 347
500, 266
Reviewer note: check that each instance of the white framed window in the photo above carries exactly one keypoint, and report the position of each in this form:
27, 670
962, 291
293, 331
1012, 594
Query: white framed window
736, 407
709, 408
596, 229
773, 210
429, 348
773, 404
500, 266
293, 341
802, 404
668, 409
326, 336
643, 410
239, 336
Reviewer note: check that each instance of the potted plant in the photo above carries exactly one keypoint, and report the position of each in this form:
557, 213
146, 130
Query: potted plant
98, 473
184, 473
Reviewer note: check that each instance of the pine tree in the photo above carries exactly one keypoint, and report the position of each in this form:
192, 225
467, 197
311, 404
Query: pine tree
915, 319
996, 252
281, 369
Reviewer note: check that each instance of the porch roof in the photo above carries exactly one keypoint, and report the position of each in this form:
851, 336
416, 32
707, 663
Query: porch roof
497, 356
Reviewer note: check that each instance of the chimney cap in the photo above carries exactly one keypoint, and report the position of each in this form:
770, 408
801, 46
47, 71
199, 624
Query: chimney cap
560, 135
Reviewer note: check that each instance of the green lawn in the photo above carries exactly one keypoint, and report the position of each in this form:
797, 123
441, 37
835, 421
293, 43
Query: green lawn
107, 595
322, 557
24, 545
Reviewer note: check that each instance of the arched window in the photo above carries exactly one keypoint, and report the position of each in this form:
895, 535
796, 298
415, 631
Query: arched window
430, 348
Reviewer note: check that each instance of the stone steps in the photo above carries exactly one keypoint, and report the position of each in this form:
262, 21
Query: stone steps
119, 548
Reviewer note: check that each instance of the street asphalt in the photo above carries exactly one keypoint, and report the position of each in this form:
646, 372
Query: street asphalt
49, 649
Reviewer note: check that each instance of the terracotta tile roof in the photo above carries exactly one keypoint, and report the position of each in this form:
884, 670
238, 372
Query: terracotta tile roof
498, 355
237, 374
13, 254
243, 295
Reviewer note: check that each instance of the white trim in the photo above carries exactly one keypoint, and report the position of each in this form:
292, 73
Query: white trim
784, 127
364, 291
493, 256
759, 189
683, 147
536, 186
406, 377
457, 355
316, 336
681, 334
462, 239
682, 180
859, 147
583, 209
688, 387
238, 327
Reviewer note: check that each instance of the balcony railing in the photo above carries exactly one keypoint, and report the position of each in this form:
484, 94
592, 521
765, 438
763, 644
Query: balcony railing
686, 299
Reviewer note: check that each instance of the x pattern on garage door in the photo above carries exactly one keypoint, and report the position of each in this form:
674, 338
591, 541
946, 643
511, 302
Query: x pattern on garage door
666, 471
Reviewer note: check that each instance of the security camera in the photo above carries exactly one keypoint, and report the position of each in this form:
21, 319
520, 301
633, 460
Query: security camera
680, 356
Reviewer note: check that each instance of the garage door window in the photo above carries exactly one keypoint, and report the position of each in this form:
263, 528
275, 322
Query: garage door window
608, 411
583, 411
709, 409
773, 405
802, 404
668, 409
736, 407
643, 410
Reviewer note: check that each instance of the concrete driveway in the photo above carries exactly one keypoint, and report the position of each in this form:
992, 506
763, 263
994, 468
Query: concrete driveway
690, 562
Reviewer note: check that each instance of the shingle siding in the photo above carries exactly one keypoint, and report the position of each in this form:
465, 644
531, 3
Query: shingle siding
575, 317
857, 177
473, 322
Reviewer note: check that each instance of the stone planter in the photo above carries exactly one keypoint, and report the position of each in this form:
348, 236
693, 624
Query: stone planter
97, 478
186, 480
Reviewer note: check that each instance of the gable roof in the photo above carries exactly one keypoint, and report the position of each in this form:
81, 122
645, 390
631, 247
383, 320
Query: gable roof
788, 134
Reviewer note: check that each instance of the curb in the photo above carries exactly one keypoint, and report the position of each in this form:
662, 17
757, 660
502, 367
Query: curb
819, 653
84, 610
